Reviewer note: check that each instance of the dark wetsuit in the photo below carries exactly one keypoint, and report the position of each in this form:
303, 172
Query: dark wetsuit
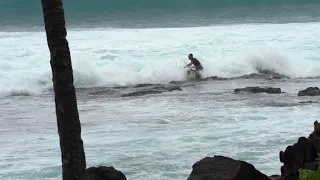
197, 64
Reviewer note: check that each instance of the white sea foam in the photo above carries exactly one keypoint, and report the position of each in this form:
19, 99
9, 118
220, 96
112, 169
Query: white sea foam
106, 57
158, 137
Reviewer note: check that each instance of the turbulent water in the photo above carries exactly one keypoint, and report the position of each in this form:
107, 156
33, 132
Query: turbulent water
123, 43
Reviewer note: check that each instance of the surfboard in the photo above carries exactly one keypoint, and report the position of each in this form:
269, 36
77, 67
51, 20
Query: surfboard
182, 62
190, 72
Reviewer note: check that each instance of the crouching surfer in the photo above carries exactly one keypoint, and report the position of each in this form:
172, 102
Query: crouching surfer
197, 64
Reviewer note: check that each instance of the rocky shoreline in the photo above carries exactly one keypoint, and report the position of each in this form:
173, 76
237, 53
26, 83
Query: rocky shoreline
149, 89
300, 155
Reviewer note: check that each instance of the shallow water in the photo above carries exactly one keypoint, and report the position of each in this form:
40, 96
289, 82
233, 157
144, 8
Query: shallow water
159, 136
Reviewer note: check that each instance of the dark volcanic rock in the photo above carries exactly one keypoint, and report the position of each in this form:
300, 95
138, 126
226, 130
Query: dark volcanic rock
224, 168
103, 91
269, 90
214, 78
307, 102
141, 93
143, 85
104, 173
154, 89
316, 130
290, 177
310, 91
253, 76
210, 78
311, 166
264, 76
301, 155
172, 88
272, 74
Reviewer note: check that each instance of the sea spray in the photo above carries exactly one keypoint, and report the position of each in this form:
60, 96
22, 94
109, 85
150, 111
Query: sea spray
112, 57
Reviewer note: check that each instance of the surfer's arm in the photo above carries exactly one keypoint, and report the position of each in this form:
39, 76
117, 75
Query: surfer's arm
189, 64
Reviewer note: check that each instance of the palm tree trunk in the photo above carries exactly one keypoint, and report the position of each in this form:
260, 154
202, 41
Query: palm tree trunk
69, 127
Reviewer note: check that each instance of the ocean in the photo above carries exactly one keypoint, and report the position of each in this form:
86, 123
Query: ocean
119, 44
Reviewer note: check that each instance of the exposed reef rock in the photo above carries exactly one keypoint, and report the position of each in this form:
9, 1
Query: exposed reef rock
263, 76
212, 78
310, 91
269, 90
151, 89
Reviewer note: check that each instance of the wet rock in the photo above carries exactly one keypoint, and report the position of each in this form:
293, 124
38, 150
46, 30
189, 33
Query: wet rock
224, 168
104, 173
312, 77
20, 93
103, 92
310, 91
120, 87
211, 78
253, 76
308, 102
268, 90
177, 82
172, 88
143, 85
141, 93
269, 76
154, 89
272, 73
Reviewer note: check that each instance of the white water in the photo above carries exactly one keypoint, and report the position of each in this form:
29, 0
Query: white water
129, 56
158, 137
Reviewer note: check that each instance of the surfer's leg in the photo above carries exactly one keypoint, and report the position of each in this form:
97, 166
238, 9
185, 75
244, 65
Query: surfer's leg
198, 72
198, 75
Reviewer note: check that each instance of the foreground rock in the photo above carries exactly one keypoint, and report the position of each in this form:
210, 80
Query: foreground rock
310, 91
275, 177
301, 155
268, 90
224, 168
104, 173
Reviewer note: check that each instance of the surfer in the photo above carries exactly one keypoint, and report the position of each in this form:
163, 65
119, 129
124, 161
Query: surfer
197, 65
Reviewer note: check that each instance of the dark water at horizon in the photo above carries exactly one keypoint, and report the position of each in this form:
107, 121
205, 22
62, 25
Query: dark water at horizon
167, 13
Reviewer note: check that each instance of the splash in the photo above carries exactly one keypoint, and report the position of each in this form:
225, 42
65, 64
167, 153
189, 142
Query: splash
113, 57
